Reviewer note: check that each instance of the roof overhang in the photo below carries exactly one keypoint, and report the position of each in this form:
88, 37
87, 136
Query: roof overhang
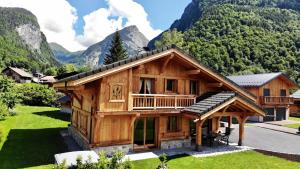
221, 110
204, 69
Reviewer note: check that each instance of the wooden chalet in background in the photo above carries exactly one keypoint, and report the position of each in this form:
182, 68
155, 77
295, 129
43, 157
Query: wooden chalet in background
272, 91
17, 74
295, 108
161, 99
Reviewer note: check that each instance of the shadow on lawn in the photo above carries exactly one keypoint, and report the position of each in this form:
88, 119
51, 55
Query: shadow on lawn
55, 114
31, 147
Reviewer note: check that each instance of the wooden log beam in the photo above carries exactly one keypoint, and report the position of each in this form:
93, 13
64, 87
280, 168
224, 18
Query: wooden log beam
242, 122
214, 84
167, 60
192, 72
199, 135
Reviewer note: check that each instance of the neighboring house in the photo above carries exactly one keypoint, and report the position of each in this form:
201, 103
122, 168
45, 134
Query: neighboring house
272, 91
19, 75
161, 99
49, 80
295, 108
65, 104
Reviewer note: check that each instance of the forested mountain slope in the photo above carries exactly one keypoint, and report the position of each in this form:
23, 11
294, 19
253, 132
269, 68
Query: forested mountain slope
22, 44
240, 37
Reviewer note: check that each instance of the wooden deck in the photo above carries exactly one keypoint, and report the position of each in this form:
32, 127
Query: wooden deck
276, 100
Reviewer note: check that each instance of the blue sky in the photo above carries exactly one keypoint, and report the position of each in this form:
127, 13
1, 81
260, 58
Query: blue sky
161, 13
77, 24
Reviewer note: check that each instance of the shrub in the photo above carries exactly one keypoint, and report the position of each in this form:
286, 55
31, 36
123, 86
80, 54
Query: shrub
115, 162
8, 92
36, 94
163, 161
3, 110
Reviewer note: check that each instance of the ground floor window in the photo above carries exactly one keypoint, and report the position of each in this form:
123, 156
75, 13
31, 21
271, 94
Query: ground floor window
174, 123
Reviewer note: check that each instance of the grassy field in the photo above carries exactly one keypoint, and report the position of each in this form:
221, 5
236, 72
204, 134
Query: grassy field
243, 160
31, 138
295, 126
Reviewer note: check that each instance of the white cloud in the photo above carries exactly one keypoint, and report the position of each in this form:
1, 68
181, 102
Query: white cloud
105, 21
56, 19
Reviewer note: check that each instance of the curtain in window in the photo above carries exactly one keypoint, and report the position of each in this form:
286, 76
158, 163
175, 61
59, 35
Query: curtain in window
141, 85
148, 86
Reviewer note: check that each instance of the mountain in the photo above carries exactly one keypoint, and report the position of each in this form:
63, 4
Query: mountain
133, 41
22, 44
63, 55
243, 36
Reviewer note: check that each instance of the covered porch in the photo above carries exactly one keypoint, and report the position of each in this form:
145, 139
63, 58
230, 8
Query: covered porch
223, 105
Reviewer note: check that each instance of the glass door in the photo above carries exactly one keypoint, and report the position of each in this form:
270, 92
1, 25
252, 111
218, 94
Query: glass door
144, 133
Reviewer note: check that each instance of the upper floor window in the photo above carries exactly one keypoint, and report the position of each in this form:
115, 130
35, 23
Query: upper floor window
171, 85
193, 87
266, 92
146, 86
282, 92
173, 123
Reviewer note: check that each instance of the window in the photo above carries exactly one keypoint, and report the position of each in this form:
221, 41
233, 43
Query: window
266, 92
282, 92
193, 87
146, 86
171, 85
173, 123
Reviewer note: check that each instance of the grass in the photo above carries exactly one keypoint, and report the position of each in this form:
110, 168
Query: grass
31, 138
245, 160
296, 125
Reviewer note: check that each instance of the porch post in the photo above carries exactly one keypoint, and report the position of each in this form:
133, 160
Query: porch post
241, 130
199, 135
229, 120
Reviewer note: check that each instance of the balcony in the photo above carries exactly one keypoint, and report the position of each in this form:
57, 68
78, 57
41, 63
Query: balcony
276, 100
161, 101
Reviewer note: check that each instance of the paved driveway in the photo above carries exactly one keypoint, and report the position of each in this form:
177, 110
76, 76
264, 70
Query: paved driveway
269, 140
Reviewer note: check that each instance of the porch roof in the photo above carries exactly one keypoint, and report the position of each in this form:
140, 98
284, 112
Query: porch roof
219, 101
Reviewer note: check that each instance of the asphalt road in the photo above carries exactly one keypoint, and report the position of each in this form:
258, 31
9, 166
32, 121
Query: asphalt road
270, 140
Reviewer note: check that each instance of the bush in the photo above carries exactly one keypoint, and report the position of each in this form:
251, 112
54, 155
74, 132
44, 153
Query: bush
115, 162
36, 94
8, 92
163, 161
3, 110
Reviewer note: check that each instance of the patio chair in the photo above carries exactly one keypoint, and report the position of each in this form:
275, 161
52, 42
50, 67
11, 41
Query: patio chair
225, 137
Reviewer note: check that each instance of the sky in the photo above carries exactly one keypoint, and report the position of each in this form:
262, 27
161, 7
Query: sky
77, 24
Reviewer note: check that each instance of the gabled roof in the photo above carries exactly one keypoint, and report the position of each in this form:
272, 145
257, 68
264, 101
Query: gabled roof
20, 72
133, 61
216, 102
296, 95
257, 80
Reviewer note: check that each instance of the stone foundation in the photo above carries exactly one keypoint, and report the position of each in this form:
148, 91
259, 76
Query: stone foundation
172, 144
110, 150
79, 139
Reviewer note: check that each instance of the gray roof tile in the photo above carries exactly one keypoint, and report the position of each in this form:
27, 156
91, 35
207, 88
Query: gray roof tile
296, 95
254, 79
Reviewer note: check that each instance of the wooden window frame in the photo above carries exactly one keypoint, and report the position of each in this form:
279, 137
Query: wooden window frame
264, 91
111, 86
284, 91
178, 124
175, 86
152, 83
196, 92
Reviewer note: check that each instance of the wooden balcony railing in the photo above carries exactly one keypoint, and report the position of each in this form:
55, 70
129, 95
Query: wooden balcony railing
276, 100
161, 101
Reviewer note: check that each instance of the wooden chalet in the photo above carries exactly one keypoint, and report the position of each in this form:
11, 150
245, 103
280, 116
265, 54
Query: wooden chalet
295, 108
17, 74
161, 99
272, 91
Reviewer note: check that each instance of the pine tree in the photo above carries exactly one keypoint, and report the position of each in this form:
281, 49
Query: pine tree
117, 51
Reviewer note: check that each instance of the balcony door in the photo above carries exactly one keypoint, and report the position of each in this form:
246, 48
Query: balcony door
144, 133
146, 86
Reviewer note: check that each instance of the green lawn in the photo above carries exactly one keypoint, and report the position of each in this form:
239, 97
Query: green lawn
295, 126
31, 138
243, 160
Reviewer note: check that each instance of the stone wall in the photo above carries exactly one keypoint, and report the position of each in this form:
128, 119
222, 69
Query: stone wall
78, 138
110, 150
171, 144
